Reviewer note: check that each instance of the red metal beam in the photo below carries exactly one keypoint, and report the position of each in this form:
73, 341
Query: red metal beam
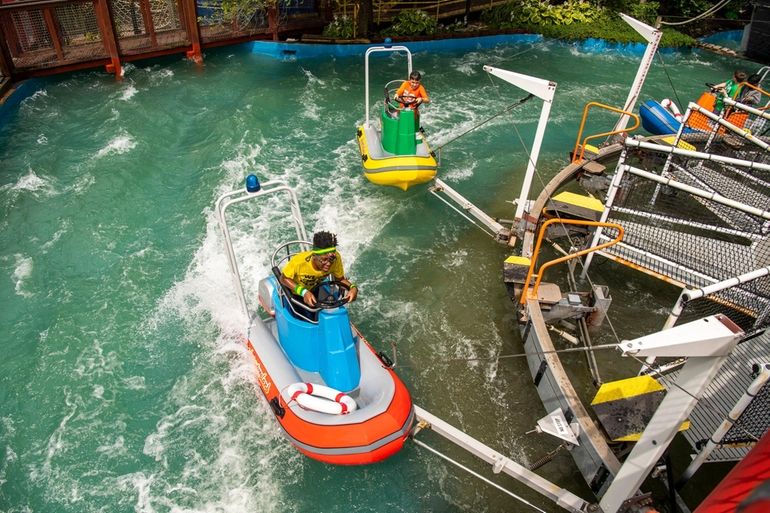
6, 62
53, 32
736, 491
104, 20
149, 24
189, 16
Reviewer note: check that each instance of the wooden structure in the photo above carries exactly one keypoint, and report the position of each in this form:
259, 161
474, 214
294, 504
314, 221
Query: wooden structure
44, 37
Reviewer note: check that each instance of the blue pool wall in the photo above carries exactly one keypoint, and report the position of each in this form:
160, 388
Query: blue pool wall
291, 51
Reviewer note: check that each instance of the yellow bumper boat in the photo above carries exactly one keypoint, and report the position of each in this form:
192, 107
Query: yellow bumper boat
396, 153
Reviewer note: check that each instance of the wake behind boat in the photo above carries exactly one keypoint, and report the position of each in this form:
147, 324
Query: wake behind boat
335, 399
396, 153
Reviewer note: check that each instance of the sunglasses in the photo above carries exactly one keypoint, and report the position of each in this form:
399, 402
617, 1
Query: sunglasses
327, 259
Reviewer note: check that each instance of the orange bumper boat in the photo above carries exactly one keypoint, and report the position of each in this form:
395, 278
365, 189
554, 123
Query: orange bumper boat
335, 398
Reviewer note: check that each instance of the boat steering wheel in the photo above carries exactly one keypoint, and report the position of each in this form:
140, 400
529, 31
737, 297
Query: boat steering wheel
330, 294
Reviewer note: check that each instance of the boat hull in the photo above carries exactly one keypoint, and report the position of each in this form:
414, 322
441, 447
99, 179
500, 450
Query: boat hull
658, 120
402, 171
374, 432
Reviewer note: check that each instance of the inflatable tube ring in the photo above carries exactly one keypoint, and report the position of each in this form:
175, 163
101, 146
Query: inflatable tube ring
321, 398
672, 108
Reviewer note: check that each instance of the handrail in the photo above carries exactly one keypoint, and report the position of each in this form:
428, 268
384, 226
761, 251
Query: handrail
550, 263
579, 158
377, 49
238, 196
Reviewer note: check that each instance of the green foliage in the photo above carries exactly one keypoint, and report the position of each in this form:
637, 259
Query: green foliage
341, 27
519, 13
243, 10
600, 23
646, 12
412, 22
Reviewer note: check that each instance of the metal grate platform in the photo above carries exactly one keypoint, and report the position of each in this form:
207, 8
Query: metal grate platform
720, 397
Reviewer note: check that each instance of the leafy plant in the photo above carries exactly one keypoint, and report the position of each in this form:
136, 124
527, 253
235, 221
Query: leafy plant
412, 22
341, 27
526, 13
244, 10
599, 23
646, 12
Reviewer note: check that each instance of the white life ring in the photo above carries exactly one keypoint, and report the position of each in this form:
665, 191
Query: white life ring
321, 398
672, 108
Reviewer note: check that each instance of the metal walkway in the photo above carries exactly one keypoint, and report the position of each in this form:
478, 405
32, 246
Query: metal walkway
720, 397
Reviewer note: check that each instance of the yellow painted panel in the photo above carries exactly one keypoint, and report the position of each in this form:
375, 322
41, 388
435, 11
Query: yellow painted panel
684, 145
579, 200
625, 388
518, 260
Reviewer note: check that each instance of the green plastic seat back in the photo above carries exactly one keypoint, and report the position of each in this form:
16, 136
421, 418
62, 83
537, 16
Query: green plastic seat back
398, 131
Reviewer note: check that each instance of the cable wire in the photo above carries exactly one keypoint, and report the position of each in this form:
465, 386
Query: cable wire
475, 474
708, 12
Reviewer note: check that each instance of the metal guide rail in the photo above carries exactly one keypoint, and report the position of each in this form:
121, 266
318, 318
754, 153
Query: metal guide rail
500, 463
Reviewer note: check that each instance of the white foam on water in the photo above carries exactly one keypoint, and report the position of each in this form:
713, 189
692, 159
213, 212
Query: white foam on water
56, 236
117, 146
114, 450
128, 92
30, 182
461, 173
22, 270
42, 139
158, 76
9, 457
313, 97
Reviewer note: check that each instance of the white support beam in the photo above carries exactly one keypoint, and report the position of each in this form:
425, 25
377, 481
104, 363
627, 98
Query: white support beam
543, 89
500, 232
502, 463
707, 343
652, 36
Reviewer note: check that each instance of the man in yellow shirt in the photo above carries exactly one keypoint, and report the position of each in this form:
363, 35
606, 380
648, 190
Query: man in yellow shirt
306, 270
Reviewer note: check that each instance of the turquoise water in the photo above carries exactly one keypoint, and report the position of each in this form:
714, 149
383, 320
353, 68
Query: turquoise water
125, 383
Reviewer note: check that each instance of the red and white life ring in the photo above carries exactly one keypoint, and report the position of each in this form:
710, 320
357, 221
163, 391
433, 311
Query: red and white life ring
672, 108
321, 398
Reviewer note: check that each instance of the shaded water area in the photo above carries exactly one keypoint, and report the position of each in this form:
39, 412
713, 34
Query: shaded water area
125, 382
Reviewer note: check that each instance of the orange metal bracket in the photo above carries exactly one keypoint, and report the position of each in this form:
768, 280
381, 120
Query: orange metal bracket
578, 146
526, 293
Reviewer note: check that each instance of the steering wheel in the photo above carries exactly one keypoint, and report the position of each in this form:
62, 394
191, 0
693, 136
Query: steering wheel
330, 294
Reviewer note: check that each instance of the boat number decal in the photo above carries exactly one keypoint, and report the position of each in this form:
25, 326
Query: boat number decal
262, 379
559, 424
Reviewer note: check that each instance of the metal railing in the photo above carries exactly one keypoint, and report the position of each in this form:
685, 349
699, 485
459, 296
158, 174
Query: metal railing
527, 292
579, 151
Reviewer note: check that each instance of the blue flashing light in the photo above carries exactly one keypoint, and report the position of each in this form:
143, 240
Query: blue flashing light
252, 183
388, 42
